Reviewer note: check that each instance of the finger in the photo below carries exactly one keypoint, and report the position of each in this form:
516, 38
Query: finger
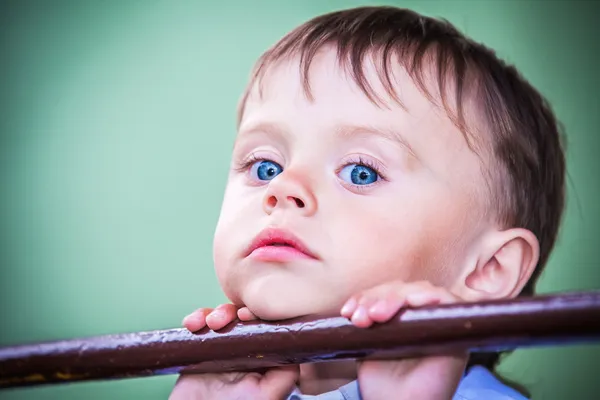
244, 314
365, 299
349, 307
419, 299
429, 296
361, 318
278, 383
384, 309
196, 320
186, 387
221, 316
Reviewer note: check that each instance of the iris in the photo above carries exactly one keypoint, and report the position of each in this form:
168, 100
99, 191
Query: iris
266, 170
358, 174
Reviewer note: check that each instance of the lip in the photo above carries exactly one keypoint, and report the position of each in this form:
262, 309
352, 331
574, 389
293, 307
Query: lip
290, 246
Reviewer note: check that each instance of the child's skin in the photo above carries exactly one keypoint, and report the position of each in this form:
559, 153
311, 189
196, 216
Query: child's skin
410, 229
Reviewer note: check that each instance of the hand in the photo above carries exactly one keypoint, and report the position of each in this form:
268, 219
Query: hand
275, 384
426, 378
216, 318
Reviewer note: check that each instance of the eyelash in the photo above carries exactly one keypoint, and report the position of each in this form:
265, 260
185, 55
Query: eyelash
374, 165
245, 164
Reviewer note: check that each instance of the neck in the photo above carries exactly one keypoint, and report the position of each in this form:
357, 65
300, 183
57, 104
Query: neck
323, 377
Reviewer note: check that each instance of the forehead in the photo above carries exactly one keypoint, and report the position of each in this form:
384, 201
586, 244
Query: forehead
336, 93
326, 84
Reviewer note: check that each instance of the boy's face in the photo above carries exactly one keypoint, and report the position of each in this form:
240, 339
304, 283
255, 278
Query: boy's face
412, 212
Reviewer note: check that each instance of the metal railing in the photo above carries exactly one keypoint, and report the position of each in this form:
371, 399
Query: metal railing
549, 320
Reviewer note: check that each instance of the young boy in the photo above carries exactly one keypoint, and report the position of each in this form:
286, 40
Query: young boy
383, 161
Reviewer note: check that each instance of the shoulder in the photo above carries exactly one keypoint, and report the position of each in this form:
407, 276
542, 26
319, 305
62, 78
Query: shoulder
479, 383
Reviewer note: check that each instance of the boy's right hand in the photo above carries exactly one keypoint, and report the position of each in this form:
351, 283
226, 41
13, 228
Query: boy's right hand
216, 318
275, 384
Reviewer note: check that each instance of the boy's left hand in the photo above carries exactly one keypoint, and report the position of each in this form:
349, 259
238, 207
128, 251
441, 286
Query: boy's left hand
427, 378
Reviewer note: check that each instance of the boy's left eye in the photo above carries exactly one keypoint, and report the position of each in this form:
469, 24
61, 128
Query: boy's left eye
357, 174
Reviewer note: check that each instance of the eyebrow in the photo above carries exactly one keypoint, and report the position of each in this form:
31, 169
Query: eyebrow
342, 131
390, 134
269, 128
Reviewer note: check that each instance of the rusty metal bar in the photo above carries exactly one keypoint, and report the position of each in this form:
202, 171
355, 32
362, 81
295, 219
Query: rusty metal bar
491, 326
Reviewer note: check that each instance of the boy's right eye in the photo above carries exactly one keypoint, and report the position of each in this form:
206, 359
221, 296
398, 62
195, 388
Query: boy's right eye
265, 170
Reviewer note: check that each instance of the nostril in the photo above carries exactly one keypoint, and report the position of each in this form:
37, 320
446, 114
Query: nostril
299, 203
272, 201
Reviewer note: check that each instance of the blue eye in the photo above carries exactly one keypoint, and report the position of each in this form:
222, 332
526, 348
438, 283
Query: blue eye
265, 170
359, 174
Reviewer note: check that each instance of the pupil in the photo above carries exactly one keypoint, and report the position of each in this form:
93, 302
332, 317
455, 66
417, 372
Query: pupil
363, 175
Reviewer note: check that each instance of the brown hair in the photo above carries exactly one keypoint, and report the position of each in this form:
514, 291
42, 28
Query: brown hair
527, 183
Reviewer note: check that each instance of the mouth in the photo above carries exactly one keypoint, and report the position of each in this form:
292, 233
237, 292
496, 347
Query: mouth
274, 244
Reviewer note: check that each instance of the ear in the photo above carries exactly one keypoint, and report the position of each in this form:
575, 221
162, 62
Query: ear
502, 266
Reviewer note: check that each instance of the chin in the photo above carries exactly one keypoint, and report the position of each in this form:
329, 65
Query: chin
280, 302
277, 302
272, 308
271, 312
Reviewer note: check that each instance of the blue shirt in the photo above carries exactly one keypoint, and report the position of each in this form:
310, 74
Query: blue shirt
477, 384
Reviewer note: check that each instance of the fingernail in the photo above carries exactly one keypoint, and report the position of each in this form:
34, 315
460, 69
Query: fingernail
349, 307
186, 319
359, 314
378, 307
214, 314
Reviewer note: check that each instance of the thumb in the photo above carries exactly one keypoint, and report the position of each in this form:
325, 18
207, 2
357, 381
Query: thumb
278, 383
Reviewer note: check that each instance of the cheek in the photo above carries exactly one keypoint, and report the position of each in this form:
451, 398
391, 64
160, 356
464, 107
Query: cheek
237, 223
379, 249
222, 264
221, 258
407, 239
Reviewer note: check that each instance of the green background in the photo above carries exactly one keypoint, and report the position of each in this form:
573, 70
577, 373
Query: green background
116, 122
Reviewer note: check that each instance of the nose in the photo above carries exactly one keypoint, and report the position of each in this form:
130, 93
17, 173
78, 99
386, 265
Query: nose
289, 191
